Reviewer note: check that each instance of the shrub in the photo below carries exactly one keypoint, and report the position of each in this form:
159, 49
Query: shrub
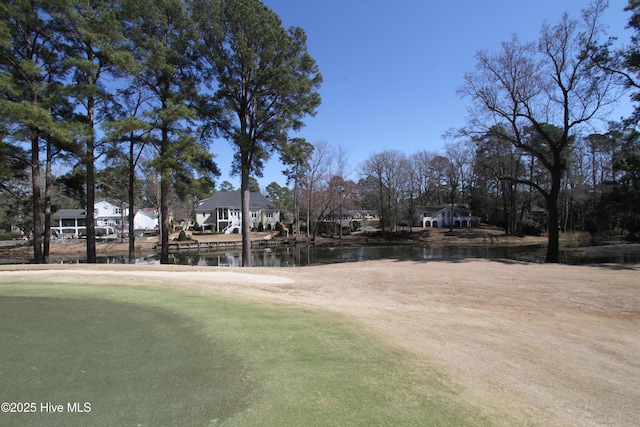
8, 235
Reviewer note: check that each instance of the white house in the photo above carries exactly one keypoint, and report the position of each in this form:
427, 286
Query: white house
145, 220
360, 215
109, 219
444, 216
222, 212
71, 222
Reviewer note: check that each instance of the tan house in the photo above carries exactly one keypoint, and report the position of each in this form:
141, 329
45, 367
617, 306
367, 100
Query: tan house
222, 212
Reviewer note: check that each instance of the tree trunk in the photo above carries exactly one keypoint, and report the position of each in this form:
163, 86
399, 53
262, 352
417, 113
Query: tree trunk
452, 212
553, 247
383, 216
91, 202
91, 182
47, 206
131, 196
505, 206
164, 200
513, 219
245, 196
296, 202
37, 202
164, 218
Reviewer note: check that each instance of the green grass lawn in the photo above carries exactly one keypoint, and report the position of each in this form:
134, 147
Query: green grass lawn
150, 357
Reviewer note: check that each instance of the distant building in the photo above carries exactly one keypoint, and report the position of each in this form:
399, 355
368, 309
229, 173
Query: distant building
145, 220
444, 216
71, 222
222, 212
109, 219
360, 215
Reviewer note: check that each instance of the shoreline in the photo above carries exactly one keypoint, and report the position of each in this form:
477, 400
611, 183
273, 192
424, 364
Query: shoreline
432, 238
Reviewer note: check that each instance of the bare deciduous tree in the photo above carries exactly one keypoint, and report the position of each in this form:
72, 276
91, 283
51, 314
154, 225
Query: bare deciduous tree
323, 184
550, 87
388, 171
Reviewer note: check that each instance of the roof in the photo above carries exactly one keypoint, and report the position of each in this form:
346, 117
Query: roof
147, 214
71, 213
113, 202
232, 200
442, 207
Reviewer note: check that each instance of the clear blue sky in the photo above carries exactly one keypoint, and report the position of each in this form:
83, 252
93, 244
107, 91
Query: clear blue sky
391, 69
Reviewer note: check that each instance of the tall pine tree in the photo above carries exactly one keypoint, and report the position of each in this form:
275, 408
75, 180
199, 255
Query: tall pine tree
262, 82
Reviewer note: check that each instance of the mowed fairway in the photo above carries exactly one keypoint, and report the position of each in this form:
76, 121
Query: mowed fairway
112, 363
158, 357
356, 344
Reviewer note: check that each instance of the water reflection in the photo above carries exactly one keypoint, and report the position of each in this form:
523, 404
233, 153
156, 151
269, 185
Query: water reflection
296, 256
312, 255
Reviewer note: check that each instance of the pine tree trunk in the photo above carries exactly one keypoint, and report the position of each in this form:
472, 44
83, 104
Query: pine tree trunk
164, 216
47, 206
245, 196
91, 202
131, 196
37, 201
91, 182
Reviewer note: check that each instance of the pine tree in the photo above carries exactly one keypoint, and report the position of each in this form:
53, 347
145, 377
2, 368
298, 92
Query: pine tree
262, 81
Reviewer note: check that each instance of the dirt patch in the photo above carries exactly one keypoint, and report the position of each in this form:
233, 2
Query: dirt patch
545, 344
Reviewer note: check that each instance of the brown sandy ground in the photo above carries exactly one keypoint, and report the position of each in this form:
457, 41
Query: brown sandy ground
529, 344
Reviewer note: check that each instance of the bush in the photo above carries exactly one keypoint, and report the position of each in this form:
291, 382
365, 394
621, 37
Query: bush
530, 227
260, 227
8, 235
182, 237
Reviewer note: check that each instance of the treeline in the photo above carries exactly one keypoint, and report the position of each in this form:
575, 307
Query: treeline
528, 158
599, 193
142, 87
114, 83
529, 141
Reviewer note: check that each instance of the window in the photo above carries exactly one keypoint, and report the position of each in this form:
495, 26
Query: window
223, 214
117, 211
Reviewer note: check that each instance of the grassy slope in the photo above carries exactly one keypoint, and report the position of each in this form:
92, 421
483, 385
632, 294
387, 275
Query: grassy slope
275, 364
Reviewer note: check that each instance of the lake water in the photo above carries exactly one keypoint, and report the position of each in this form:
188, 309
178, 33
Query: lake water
300, 255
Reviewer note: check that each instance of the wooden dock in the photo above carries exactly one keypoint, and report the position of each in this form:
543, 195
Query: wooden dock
176, 247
